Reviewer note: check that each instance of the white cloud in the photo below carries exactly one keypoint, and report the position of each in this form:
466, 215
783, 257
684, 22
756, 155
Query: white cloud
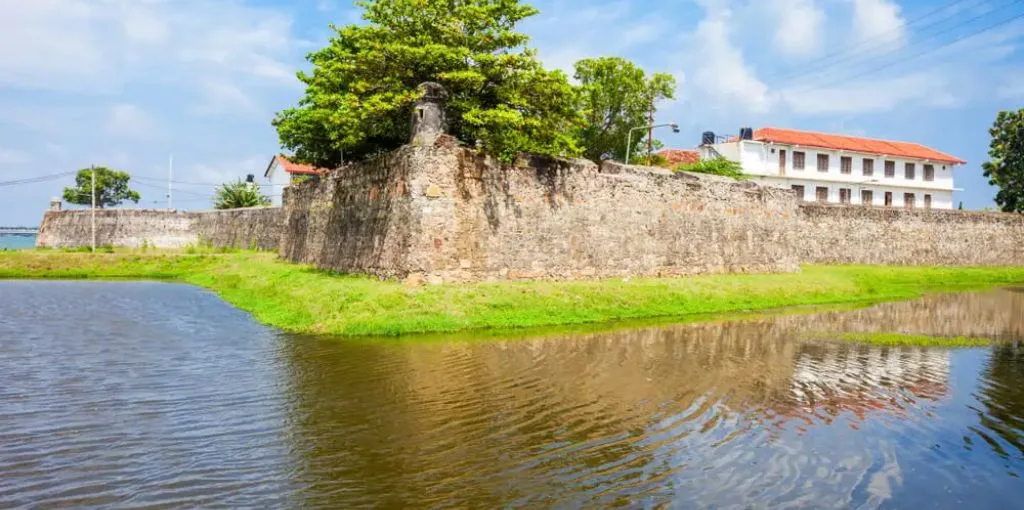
798, 25
94, 45
129, 121
1012, 88
220, 98
878, 24
721, 73
868, 96
230, 170
13, 156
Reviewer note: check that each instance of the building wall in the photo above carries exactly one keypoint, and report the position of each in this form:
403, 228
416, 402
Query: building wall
834, 234
256, 228
273, 185
761, 160
447, 214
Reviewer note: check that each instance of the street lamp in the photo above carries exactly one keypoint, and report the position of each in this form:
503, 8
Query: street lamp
629, 138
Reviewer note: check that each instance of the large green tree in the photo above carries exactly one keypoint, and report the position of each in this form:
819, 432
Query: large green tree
111, 188
1005, 167
362, 86
616, 96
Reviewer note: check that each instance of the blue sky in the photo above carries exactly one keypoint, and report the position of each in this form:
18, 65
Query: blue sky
125, 83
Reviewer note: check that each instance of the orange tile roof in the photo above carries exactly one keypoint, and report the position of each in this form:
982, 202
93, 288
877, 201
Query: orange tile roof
854, 144
677, 156
296, 168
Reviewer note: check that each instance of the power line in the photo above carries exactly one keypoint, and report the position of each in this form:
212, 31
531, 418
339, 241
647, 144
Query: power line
870, 42
33, 180
919, 54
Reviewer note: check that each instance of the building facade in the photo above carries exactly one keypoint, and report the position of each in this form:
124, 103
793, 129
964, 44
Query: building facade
843, 169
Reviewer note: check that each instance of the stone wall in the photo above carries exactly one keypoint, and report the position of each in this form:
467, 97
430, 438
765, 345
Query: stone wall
239, 228
836, 234
445, 213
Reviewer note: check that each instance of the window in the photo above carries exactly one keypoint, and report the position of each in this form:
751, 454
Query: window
866, 197
927, 201
822, 162
908, 200
798, 160
908, 171
888, 199
844, 195
846, 165
890, 169
821, 193
868, 165
929, 172
799, 190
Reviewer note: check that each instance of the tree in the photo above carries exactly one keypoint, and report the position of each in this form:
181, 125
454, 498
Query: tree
1005, 167
362, 86
238, 194
616, 96
111, 188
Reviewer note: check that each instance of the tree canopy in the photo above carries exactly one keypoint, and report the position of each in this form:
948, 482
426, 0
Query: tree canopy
238, 194
1005, 167
362, 85
111, 188
616, 96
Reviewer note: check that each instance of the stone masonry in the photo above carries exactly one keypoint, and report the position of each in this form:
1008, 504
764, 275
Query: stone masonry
447, 213
258, 228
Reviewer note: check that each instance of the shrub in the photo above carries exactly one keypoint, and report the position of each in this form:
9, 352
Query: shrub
718, 166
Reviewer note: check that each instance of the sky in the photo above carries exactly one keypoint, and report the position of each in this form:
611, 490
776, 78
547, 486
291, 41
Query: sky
128, 83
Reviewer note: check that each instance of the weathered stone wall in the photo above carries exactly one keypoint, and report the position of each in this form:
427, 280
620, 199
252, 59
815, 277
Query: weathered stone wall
445, 213
239, 228
835, 234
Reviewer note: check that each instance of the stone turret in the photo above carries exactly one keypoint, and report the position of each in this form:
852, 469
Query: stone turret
55, 204
429, 120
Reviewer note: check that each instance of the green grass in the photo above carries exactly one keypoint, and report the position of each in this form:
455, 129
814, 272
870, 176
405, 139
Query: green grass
303, 299
903, 340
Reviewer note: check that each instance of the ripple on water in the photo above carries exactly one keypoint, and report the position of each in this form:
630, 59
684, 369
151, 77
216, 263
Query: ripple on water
143, 394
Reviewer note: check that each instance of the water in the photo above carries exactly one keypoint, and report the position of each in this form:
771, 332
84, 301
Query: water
138, 394
17, 242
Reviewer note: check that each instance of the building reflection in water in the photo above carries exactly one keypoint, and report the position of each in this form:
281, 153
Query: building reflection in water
705, 414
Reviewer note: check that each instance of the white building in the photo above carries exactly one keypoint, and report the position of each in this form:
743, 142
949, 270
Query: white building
281, 171
843, 169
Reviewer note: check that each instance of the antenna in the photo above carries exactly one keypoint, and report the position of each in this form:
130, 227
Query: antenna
170, 182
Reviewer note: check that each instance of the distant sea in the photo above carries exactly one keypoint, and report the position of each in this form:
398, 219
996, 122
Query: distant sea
17, 242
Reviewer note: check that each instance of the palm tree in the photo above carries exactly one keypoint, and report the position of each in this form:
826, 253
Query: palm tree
234, 195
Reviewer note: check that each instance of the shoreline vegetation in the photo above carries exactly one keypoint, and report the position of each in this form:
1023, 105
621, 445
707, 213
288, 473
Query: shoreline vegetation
302, 299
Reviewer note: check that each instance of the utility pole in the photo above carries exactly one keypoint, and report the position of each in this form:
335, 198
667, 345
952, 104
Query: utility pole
93, 168
650, 132
170, 182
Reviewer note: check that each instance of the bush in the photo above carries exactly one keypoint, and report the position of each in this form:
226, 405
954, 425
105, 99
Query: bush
718, 166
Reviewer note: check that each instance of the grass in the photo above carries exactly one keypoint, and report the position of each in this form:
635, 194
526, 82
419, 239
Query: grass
904, 340
302, 299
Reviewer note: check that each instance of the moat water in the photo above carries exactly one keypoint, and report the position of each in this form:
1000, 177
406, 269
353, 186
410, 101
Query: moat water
137, 394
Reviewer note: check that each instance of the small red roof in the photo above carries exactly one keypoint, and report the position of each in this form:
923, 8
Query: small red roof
677, 156
294, 168
854, 144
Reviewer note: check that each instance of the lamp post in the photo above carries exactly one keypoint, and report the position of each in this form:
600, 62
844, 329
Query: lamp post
629, 137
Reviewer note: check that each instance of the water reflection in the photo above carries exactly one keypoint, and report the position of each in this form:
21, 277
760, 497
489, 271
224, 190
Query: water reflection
176, 399
719, 414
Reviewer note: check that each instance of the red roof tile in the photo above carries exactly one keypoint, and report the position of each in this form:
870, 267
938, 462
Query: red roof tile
677, 156
854, 144
296, 168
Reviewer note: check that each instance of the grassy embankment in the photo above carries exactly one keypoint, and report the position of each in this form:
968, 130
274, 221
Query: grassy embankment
903, 340
302, 299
